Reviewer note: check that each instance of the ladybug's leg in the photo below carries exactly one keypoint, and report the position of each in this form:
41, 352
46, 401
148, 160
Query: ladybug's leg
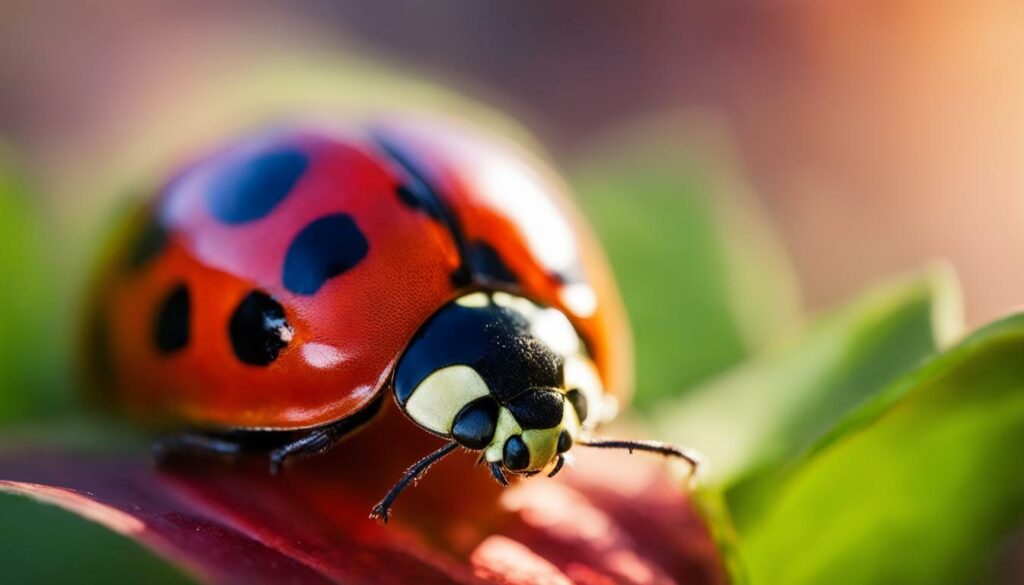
314, 443
319, 440
191, 443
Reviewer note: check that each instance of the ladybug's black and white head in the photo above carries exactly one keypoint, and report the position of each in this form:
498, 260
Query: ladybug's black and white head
500, 374
497, 373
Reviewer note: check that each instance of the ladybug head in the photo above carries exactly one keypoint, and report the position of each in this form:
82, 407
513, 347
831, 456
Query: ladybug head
499, 374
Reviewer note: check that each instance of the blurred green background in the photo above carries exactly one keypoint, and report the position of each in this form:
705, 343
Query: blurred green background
789, 230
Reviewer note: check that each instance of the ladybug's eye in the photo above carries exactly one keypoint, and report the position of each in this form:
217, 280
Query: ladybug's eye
585, 391
474, 425
578, 402
564, 441
515, 456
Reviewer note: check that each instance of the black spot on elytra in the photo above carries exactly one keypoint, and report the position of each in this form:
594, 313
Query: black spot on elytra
418, 192
323, 249
258, 329
248, 188
537, 409
171, 323
149, 242
487, 265
420, 197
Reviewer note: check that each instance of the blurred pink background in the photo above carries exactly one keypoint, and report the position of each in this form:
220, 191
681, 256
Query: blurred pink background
879, 135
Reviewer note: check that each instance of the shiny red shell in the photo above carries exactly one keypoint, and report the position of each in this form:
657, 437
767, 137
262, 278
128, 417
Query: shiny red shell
347, 335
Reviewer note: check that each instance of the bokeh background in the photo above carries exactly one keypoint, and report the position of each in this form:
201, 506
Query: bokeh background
875, 134
865, 137
748, 164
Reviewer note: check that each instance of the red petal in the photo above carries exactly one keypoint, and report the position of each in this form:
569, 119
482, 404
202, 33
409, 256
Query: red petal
614, 518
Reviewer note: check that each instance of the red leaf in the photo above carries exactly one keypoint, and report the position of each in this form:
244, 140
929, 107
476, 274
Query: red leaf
614, 518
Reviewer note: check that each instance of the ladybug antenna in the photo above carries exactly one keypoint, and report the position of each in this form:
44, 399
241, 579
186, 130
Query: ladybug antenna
383, 507
648, 446
558, 465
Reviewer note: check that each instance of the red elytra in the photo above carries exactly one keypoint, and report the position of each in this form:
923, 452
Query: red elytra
350, 317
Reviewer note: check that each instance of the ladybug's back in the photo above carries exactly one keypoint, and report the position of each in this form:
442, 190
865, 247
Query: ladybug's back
274, 284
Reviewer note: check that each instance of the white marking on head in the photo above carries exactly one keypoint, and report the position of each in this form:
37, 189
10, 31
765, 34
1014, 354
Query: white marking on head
435, 403
472, 300
548, 324
553, 328
516, 303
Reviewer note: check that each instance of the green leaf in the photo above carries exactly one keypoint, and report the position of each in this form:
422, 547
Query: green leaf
753, 422
31, 341
715, 511
47, 544
702, 277
923, 485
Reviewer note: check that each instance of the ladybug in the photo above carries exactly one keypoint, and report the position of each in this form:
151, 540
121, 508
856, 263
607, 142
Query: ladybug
278, 289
